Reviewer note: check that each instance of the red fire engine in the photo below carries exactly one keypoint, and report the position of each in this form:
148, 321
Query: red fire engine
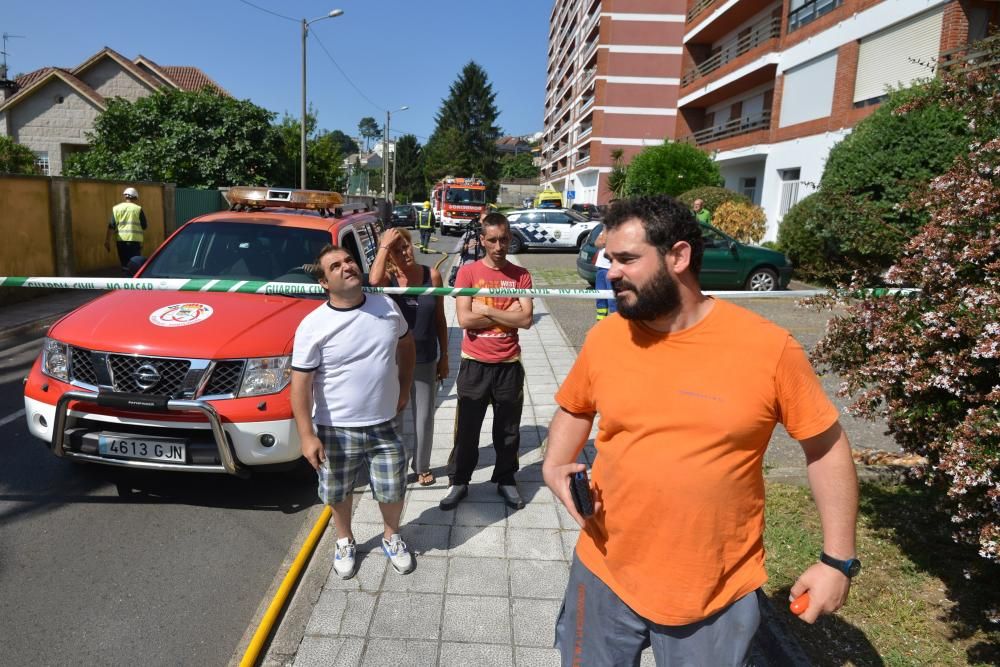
456, 201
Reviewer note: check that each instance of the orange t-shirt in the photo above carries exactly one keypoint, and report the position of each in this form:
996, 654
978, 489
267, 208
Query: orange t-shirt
684, 421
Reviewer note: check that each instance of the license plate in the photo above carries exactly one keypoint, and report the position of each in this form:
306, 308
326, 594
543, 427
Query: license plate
149, 449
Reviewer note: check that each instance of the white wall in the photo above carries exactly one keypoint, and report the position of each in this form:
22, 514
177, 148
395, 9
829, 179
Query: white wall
734, 174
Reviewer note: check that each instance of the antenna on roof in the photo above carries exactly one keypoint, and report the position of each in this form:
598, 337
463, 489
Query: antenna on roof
3, 67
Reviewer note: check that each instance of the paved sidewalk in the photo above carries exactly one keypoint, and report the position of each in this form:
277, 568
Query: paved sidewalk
489, 580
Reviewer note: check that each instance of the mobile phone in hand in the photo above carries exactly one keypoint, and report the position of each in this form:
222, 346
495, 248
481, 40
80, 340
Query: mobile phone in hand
579, 488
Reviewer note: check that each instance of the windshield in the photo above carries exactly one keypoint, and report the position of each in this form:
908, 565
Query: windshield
465, 196
402, 210
239, 251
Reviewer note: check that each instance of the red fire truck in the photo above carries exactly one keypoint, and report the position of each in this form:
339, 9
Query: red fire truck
456, 201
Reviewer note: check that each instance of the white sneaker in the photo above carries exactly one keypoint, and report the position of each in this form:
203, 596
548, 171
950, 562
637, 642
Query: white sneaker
343, 559
395, 550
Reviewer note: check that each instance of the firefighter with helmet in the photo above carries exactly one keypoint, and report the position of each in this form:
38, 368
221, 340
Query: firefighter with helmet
425, 223
126, 226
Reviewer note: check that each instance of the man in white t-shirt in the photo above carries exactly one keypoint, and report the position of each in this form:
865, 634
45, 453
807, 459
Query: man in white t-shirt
352, 366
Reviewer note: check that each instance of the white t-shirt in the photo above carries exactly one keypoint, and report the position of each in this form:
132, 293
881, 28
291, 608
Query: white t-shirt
602, 262
352, 354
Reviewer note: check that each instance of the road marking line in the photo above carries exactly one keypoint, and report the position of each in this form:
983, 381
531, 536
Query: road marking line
11, 418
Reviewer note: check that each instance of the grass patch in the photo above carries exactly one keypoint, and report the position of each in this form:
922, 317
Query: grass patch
921, 599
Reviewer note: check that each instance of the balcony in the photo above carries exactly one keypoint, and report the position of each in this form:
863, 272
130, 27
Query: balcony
973, 56
809, 11
591, 22
588, 50
583, 157
731, 128
586, 103
698, 8
584, 131
587, 77
759, 34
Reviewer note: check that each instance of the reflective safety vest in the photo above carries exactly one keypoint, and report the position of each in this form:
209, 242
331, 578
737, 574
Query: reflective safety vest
126, 217
424, 219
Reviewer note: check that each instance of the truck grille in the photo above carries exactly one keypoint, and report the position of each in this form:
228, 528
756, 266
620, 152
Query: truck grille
125, 369
225, 378
82, 366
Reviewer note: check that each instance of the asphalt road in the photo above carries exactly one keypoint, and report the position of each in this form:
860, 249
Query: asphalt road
105, 567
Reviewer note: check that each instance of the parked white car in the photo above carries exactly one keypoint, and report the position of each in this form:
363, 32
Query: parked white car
548, 228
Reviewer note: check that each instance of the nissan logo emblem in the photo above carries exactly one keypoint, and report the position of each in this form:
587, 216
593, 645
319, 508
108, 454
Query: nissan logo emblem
146, 376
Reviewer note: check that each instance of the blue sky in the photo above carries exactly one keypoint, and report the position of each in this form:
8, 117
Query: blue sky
395, 52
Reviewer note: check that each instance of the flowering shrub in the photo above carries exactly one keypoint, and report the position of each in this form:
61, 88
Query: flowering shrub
744, 222
929, 363
711, 196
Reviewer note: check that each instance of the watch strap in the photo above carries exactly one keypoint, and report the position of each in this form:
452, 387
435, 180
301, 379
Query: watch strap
848, 568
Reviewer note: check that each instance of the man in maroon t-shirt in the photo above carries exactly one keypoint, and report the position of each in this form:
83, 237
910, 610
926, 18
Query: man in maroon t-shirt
491, 371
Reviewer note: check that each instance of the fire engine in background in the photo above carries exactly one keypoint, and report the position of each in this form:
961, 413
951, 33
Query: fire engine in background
456, 201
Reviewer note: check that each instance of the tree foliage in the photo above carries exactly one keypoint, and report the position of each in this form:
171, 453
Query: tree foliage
409, 170
929, 363
464, 139
712, 197
324, 170
194, 139
520, 165
15, 158
346, 144
369, 129
670, 169
860, 220
745, 222
618, 174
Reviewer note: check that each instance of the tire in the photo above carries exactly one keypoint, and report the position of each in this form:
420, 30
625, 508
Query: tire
516, 244
762, 279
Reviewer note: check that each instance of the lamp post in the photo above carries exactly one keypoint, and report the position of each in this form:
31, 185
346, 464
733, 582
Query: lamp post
390, 195
302, 130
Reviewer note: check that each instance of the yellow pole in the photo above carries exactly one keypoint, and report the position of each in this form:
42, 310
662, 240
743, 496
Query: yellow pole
278, 603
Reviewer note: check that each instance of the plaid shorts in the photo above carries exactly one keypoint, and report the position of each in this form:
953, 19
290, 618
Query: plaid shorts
348, 447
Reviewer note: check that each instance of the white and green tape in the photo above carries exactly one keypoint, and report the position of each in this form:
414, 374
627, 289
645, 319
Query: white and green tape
262, 287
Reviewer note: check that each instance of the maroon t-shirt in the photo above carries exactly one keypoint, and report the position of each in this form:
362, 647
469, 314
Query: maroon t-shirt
495, 344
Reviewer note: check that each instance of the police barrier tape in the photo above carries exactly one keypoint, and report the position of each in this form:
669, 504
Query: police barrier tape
262, 287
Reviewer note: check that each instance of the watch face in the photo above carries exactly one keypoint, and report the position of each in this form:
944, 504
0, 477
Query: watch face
853, 567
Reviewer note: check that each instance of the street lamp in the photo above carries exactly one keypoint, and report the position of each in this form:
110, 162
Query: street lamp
390, 195
305, 32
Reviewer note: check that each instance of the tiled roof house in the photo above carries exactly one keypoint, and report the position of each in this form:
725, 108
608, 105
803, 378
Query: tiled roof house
51, 109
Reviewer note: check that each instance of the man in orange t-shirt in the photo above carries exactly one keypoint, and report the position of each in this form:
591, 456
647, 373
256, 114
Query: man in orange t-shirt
688, 390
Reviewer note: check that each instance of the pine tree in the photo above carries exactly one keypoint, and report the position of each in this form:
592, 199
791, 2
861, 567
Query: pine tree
409, 170
464, 140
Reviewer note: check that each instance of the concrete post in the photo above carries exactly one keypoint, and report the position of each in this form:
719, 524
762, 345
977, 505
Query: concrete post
61, 220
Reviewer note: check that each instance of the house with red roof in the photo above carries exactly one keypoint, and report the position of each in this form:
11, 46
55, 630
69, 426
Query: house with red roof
50, 110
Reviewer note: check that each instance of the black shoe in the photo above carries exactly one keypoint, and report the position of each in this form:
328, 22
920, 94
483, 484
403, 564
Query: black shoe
510, 495
454, 497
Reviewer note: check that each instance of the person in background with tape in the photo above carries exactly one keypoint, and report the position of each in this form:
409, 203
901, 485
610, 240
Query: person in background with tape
352, 366
127, 225
605, 307
395, 266
491, 373
673, 555
425, 223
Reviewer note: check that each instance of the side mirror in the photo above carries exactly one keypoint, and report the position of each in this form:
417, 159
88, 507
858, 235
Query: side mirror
134, 265
732, 247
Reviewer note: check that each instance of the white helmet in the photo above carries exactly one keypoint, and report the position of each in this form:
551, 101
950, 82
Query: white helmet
131, 193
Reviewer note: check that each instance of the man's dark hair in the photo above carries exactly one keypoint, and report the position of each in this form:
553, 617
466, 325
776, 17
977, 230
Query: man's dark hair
493, 220
665, 221
317, 267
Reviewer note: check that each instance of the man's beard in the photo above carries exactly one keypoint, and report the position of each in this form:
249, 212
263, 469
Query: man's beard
657, 297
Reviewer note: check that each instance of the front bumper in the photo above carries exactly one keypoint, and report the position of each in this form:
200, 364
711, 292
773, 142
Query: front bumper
213, 444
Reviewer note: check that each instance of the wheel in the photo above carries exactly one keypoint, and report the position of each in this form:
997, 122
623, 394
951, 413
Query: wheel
516, 244
762, 280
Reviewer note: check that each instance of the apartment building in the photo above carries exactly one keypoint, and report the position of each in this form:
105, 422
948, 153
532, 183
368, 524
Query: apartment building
613, 82
770, 87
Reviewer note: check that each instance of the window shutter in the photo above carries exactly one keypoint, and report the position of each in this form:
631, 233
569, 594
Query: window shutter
808, 90
886, 59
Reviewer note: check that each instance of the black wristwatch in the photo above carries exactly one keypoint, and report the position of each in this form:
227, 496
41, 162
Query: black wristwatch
849, 568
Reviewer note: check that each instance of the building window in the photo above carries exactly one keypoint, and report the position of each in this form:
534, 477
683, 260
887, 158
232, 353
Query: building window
789, 189
801, 12
897, 56
808, 90
42, 162
749, 187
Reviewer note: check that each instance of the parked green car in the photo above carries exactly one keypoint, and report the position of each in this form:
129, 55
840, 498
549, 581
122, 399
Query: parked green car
726, 265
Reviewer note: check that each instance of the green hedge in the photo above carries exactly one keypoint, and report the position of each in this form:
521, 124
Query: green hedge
712, 196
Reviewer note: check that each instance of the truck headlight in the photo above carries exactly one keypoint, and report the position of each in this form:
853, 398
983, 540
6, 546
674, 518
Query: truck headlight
55, 359
266, 375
